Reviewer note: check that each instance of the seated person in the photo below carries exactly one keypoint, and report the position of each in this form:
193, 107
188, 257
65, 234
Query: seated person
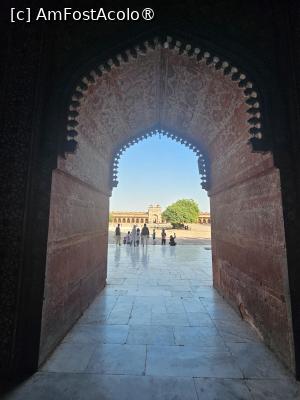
172, 241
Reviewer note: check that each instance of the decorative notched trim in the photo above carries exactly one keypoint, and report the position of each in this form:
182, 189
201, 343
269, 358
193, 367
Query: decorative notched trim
257, 140
202, 161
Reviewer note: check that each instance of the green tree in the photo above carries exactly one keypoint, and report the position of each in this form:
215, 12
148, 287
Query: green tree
182, 212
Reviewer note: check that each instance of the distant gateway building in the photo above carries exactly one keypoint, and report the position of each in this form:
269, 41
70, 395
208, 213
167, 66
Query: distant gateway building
152, 216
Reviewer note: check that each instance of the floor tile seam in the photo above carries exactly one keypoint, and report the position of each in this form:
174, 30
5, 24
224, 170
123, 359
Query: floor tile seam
243, 339
203, 350
186, 311
91, 355
218, 330
102, 325
102, 374
235, 358
173, 333
94, 322
146, 358
210, 318
130, 314
98, 313
241, 379
245, 380
195, 388
249, 389
107, 317
194, 377
87, 373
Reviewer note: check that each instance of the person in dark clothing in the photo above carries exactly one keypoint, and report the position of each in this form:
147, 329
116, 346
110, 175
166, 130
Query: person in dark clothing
118, 235
138, 236
163, 237
154, 236
145, 235
172, 241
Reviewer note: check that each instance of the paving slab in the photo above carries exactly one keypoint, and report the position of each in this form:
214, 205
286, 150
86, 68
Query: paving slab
160, 331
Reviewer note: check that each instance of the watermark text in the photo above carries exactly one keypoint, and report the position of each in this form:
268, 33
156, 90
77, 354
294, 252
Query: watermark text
41, 14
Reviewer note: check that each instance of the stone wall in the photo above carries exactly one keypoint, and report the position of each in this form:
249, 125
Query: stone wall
249, 256
207, 107
77, 243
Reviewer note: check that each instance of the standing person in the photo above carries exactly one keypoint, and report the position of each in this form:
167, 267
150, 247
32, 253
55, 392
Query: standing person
133, 235
118, 235
138, 236
145, 235
163, 236
154, 236
128, 238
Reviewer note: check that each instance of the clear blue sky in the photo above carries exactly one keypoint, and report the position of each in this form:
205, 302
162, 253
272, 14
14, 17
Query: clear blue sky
157, 171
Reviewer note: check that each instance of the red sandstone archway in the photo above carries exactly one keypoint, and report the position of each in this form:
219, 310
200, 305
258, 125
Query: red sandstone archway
213, 106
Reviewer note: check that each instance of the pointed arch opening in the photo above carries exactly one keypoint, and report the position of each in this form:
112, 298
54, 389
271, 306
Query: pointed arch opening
208, 104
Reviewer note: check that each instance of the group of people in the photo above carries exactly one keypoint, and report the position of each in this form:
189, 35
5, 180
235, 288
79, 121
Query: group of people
137, 236
164, 238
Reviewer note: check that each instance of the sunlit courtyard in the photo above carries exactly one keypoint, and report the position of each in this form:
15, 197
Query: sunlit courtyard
196, 234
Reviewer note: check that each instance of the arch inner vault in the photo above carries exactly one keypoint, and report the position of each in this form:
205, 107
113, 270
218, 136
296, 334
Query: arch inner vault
207, 104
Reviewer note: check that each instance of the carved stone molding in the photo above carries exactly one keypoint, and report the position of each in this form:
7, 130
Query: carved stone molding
202, 162
200, 55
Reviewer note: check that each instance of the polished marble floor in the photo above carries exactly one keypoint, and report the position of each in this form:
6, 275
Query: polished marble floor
160, 331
